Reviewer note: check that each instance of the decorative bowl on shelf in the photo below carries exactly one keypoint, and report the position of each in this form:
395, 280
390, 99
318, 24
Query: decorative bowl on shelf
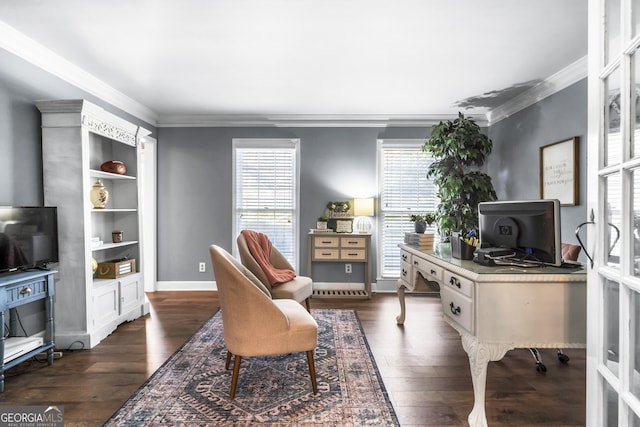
114, 166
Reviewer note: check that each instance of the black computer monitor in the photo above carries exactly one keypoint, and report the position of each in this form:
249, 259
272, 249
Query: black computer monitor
530, 228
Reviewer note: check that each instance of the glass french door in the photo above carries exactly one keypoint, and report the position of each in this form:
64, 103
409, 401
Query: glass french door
613, 343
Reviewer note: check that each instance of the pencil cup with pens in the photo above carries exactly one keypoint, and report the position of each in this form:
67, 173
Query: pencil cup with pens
463, 245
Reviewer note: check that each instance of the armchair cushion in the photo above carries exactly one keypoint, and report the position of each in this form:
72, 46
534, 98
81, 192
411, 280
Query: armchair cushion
299, 288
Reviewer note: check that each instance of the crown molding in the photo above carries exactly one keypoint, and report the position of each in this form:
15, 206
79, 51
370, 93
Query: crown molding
28, 49
560, 80
310, 120
23, 47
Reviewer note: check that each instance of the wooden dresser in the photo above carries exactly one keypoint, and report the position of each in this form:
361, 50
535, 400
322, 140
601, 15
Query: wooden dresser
342, 248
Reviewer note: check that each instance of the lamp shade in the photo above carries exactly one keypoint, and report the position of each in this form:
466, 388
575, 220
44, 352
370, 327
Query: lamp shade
363, 207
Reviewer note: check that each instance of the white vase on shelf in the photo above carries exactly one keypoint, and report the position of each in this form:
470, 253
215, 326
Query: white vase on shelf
99, 195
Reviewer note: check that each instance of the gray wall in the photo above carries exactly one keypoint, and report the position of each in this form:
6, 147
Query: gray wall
514, 163
21, 158
194, 165
195, 194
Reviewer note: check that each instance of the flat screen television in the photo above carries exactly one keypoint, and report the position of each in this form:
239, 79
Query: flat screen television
529, 230
28, 237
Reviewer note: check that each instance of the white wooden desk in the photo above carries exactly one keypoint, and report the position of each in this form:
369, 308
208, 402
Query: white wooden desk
497, 309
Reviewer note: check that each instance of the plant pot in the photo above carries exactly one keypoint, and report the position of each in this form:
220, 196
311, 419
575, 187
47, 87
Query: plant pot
460, 249
419, 227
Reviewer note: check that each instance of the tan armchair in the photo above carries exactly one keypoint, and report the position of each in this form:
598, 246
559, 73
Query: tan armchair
300, 288
253, 323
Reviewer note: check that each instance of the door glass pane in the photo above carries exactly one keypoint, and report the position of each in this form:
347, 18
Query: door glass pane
635, 102
613, 140
635, 25
612, 29
614, 216
634, 343
636, 421
611, 325
635, 245
610, 407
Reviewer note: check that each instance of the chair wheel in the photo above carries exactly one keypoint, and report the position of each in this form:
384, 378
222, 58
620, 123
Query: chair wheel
541, 368
563, 358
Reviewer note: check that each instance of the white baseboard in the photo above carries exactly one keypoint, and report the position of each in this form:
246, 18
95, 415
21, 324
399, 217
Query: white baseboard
386, 286
186, 286
381, 286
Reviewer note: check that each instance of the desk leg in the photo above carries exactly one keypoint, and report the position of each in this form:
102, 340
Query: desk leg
400, 317
480, 354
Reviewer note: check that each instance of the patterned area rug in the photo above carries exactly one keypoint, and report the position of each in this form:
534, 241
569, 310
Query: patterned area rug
192, 387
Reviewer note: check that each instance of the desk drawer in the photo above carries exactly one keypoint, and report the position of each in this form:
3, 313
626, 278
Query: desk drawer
353, 242
429, 270
20, 294
405, 256
354, 254
405, 272
326, 242
457, 307
326, 254
458, 283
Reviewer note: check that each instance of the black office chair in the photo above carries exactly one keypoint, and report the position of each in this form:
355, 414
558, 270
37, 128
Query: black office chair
569, 253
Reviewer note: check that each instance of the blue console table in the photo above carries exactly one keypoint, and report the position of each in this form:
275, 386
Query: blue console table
17, 289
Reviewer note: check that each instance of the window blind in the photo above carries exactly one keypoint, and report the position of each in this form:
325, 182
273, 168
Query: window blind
404, 189
266, 192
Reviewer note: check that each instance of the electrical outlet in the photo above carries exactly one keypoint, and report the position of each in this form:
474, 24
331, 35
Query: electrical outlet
347, 268
202, 267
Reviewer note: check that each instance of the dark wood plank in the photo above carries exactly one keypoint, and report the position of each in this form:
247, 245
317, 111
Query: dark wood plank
422, 363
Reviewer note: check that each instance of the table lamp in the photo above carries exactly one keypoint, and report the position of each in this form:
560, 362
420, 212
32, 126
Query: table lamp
363, 208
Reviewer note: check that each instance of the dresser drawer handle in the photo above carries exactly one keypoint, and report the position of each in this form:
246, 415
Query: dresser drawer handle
415, 263
25, 291
352, 254
454, 282
327, 253
404, 257
433, 272
326, 242
455, 310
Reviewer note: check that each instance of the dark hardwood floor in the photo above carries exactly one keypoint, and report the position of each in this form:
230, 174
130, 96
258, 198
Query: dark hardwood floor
422, 363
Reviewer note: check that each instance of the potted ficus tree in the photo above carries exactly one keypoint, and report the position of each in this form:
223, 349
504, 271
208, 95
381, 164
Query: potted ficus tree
459, 149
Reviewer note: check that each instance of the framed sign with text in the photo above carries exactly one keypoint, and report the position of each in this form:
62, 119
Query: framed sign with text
559, 171
344, 225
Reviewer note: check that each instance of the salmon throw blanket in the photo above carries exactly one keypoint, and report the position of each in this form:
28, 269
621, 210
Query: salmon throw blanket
260, 247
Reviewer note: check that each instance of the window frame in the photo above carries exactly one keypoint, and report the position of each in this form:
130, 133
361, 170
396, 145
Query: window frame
268, 144
383, 273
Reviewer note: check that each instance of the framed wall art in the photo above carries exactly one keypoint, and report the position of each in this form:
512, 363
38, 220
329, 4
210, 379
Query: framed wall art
559, 171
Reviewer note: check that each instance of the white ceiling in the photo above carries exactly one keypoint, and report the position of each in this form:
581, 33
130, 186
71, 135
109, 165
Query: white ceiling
305, 58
